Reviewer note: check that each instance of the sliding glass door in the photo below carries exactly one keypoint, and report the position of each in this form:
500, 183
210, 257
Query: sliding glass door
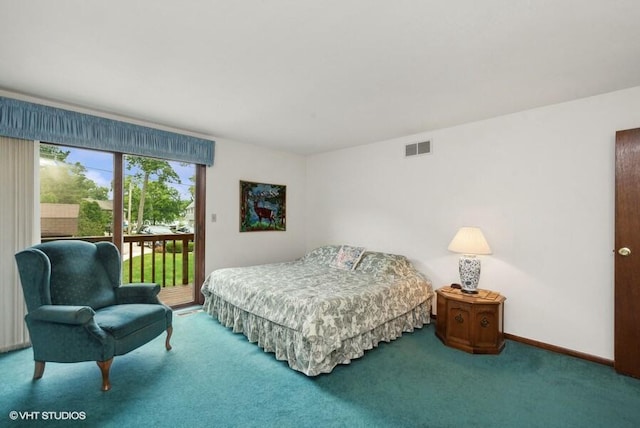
148, 207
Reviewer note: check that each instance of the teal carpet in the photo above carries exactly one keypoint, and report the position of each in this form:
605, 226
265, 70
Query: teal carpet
214, 378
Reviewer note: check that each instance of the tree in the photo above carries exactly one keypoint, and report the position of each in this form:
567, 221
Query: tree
62, 182
131, 198
192, 187
65, 183
145, 169
92, 220
54, 153
165, 204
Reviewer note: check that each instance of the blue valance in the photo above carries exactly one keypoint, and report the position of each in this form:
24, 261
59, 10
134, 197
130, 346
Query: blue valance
29, 121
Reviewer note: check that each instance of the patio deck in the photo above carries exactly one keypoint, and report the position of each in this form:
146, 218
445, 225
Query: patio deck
178, 295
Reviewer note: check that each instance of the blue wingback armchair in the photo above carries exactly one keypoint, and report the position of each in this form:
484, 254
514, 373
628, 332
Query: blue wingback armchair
77, 309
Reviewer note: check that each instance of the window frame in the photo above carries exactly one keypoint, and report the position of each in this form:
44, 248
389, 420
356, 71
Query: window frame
117, 236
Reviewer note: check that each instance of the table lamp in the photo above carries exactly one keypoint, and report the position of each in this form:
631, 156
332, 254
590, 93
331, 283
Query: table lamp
470, 242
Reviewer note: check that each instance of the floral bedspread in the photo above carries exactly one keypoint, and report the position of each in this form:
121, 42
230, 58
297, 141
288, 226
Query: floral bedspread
323, 304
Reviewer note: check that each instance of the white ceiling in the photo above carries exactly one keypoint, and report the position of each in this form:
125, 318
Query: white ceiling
311, 76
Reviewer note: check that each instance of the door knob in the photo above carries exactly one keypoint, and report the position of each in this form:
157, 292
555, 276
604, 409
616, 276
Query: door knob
624, 251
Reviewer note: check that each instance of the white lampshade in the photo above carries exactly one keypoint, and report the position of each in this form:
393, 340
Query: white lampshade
469, 240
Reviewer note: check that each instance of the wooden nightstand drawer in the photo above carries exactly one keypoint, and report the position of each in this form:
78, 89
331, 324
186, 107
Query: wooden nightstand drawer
470, 322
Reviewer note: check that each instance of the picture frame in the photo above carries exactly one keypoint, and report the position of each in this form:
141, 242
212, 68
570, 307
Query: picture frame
263, 207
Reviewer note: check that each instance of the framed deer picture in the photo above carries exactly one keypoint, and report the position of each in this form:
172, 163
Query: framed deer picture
263, 207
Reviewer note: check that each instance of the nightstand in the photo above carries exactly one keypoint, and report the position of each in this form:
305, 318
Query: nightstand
471, 322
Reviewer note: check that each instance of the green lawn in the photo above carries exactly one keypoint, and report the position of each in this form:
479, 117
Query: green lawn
169, 266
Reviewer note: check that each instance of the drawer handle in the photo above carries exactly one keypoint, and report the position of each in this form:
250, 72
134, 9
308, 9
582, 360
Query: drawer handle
459, 318
484, 322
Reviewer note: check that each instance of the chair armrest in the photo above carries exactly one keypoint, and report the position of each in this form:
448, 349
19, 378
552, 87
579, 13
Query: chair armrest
137, 293
63, 314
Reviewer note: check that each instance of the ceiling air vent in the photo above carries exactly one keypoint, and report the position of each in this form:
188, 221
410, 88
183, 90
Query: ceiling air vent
417, 149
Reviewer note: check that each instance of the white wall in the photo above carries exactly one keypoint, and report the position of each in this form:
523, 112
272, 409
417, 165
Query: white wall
225, 245
540, 184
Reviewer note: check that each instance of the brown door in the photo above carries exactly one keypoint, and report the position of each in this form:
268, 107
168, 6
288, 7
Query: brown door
627, 253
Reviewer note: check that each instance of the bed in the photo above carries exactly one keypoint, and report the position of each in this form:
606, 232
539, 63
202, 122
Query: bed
324, 309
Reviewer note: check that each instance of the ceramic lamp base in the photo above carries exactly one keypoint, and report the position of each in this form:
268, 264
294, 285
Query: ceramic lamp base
469, 274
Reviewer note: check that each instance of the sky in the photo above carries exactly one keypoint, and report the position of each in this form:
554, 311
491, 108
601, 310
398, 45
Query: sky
99, 167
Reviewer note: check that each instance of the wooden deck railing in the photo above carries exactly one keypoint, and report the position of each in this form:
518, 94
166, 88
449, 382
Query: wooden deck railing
140, 245
157, 244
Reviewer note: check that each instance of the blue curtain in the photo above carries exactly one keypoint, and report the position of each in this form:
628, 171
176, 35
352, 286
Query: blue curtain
29, 121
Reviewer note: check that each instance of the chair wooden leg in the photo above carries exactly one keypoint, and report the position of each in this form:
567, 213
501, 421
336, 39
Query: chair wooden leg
169, 333
104, 368
39, 370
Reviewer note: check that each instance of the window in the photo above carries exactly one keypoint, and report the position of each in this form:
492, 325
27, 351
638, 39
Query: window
153, 220
76, 197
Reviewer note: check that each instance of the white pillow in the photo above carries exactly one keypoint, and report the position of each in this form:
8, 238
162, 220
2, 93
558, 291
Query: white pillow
348, 257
